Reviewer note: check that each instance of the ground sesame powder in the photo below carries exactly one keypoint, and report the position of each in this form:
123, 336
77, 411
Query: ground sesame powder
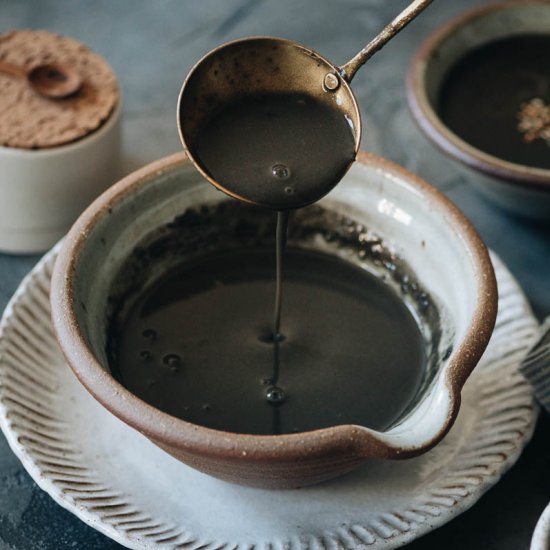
29, 121
534, 120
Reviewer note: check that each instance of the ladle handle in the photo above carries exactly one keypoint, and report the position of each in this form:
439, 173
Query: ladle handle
14, 70
402, 20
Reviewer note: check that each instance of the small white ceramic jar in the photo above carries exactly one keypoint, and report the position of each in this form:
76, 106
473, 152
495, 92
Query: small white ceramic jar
43, 191
56, 154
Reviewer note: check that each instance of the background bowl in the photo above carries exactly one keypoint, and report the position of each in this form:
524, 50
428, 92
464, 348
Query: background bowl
524, 190
412, 218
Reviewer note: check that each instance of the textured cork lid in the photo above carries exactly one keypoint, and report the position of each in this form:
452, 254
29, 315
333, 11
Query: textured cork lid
29, 121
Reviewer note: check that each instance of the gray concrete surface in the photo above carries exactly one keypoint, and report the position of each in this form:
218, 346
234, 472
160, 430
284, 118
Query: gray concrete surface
152, 45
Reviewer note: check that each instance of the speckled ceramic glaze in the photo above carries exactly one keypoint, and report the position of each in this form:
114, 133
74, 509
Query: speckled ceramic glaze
419, 223
521, 189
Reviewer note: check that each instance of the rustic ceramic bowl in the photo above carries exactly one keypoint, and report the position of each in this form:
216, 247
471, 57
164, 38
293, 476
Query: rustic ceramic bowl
520, 189
419, 223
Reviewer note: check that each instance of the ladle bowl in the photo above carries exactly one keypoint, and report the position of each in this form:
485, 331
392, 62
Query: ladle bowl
252, 67
258, 66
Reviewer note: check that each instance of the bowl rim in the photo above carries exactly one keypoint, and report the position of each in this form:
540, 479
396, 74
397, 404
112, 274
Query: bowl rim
196, 440
438, 133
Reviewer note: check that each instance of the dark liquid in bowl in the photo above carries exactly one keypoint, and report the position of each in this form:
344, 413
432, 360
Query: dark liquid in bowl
278, 150
482, 97
199, 345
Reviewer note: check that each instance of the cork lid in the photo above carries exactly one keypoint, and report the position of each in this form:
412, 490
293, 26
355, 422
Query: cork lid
30, 121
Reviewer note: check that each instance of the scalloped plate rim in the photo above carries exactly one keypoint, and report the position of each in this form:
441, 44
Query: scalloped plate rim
56, 493
121, 537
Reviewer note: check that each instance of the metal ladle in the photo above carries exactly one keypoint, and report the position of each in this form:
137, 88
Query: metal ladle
50, 80
239, 69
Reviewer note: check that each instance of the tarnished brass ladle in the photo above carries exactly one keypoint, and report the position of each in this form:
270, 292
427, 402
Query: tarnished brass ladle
265, 65
51, 80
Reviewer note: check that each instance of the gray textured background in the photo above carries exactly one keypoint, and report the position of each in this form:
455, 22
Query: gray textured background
152, 44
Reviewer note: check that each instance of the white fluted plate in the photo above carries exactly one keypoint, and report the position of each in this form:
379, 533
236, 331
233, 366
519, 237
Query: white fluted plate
541, 536
118, 482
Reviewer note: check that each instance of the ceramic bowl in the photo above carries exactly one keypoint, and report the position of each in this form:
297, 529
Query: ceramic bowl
407, 215
523, 190
44, 191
